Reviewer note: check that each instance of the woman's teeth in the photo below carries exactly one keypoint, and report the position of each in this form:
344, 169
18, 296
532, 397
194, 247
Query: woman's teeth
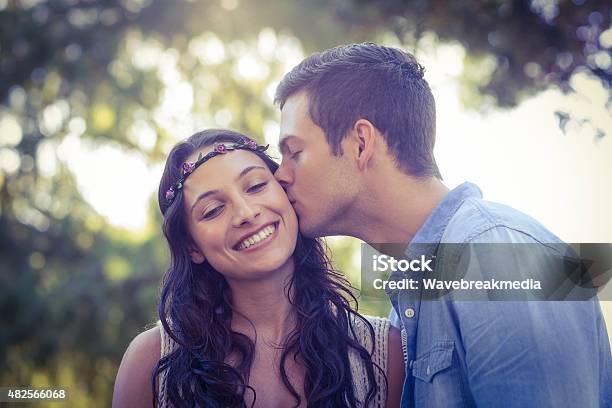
255, 238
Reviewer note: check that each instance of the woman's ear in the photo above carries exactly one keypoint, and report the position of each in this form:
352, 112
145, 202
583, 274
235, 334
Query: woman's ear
196, 255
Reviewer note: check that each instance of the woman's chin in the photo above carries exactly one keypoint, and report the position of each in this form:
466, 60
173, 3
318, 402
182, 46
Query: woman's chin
269, 267
273, 265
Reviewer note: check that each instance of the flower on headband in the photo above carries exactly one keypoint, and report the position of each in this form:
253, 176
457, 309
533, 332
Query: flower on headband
188, 167
251, 143
220, 148
170, 194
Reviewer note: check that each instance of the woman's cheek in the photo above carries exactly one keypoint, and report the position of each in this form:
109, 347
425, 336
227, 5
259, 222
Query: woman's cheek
280, 196
209, 238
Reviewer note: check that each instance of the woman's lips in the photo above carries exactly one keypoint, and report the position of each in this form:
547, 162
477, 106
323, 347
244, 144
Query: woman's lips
264, 242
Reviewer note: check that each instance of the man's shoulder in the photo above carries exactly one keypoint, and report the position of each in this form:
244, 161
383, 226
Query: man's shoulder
500, 223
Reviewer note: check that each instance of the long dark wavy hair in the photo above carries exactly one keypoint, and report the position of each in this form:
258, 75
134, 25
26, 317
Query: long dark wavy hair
195, 310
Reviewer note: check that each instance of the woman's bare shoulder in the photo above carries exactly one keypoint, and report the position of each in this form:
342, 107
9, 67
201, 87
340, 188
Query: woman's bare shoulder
395, 368
133, 382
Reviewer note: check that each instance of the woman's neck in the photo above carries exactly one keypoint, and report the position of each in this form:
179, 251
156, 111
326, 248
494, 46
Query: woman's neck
261, 307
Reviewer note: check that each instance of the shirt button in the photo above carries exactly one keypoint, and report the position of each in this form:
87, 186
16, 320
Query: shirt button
409, 313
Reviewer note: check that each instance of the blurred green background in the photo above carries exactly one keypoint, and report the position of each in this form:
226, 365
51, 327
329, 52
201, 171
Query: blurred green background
79, 78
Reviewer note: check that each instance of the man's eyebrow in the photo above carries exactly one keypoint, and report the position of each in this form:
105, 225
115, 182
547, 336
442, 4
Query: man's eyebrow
282, 145
243, 173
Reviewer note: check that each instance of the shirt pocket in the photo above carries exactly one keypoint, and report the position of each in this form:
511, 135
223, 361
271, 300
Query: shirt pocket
437, 359
437, 376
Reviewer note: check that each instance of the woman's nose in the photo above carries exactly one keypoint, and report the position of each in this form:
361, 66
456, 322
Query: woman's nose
245, 213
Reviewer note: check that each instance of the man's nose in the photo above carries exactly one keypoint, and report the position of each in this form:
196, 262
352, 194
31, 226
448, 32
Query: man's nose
283, 176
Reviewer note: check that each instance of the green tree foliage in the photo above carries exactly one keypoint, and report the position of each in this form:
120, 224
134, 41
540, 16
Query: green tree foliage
531, 44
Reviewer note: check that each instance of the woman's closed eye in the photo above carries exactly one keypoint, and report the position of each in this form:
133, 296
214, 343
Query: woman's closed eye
257, 187
212, 213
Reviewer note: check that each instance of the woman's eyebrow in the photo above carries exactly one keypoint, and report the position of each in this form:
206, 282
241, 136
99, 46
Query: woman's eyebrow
203, 196
246, 170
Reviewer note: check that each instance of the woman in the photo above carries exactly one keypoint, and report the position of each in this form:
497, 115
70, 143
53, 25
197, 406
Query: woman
251, 313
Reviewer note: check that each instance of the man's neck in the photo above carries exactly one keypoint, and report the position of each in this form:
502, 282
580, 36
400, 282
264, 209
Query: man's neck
394, 211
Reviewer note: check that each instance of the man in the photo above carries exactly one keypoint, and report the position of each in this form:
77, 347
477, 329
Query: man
357, 139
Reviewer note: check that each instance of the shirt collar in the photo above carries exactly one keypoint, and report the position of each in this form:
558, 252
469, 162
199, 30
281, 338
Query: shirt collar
432, 230
426, 240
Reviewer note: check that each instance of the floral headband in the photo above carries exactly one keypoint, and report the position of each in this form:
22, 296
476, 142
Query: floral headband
220, 148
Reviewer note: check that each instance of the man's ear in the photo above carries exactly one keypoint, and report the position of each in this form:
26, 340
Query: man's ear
366, 136
196, 255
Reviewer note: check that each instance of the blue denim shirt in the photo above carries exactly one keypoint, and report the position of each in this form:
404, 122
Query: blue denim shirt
490, 354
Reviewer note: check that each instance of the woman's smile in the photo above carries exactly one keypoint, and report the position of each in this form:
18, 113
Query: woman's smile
258, 239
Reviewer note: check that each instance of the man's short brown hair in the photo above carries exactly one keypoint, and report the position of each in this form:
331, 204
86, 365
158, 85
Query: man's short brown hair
369, 81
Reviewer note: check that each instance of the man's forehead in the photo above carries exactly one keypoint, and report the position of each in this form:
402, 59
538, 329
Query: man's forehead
298, 100
295, 109
294, 116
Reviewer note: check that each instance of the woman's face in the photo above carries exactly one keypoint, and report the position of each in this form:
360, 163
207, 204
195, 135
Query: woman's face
238, 215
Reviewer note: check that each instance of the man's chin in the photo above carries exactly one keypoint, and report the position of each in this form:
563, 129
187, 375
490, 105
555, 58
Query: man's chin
309, 230
306, 232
